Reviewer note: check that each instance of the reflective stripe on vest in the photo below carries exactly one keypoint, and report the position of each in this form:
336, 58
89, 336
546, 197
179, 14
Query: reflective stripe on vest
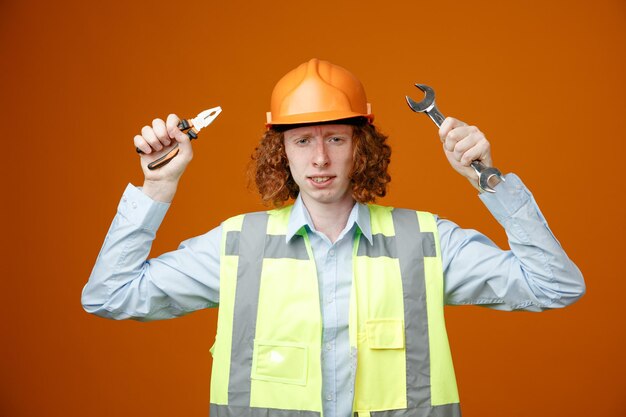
267, 349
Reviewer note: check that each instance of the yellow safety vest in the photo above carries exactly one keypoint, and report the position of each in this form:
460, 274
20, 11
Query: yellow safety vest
266, 357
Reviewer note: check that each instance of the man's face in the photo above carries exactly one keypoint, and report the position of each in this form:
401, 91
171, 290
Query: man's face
320, 159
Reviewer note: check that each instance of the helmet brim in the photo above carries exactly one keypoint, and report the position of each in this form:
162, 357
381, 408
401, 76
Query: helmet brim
315, 117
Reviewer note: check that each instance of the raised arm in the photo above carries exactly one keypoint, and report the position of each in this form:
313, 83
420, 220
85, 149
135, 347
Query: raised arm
535, 274
123, 283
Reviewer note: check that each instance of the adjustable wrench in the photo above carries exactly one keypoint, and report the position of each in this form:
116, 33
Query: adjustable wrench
427, 105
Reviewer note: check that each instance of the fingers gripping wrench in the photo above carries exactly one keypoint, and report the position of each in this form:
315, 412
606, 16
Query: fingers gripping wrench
486, 175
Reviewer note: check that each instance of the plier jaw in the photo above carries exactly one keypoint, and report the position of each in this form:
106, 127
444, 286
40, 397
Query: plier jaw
202, 120
191, 127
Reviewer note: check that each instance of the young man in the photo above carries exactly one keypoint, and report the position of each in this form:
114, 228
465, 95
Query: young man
330, 305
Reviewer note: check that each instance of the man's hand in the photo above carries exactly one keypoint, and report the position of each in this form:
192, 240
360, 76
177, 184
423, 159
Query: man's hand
463, 144
155, 141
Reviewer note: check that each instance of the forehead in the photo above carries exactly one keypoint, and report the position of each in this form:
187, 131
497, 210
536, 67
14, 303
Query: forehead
319, 130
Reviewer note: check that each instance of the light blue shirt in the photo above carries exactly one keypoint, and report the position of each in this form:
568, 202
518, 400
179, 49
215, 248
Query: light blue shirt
535, 274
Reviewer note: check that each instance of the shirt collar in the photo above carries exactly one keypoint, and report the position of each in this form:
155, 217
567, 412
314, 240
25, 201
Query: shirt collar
300, 218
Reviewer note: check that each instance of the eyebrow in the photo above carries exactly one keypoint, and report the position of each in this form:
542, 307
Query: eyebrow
329, 133
309, 134
333, 132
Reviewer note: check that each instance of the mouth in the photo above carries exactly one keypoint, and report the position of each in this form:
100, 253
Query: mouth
320, 180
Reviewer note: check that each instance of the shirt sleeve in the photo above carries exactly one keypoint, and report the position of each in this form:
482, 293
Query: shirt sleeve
534, 275
123, 284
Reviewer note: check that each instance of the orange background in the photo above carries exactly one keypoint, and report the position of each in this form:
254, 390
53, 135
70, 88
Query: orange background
544, 79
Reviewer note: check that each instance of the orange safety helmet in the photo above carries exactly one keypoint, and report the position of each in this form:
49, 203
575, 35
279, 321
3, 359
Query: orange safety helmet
317, 91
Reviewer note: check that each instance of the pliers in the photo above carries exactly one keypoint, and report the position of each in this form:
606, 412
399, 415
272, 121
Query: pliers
191, 127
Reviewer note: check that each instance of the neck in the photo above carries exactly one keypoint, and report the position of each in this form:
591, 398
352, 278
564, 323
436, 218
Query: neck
330, 219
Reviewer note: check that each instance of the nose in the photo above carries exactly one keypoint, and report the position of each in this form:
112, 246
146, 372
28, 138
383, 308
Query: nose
320, 158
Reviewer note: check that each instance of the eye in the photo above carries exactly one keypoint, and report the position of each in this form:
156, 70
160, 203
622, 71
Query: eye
299, 140
335, 139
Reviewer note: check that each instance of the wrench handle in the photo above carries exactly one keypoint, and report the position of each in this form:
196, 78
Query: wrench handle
488, 177
436, 116
478, 166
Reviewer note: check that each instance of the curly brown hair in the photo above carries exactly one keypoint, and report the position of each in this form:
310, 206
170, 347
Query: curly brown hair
369, 176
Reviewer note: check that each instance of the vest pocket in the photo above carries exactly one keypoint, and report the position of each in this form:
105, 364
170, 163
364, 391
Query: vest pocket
385, 333
381, 366
280, 362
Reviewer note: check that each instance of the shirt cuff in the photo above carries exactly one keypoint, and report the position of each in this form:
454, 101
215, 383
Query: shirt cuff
141, 210
509, 197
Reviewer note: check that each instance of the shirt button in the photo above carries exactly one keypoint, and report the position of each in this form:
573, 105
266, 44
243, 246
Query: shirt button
329, 397
331, 252
134, 204
329, 346
329, 301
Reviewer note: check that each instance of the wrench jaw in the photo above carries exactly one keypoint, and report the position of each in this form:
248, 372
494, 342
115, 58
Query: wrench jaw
414, 105
427, 103
488, 177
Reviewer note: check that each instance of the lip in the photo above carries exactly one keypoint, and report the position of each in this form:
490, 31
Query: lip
320, 184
